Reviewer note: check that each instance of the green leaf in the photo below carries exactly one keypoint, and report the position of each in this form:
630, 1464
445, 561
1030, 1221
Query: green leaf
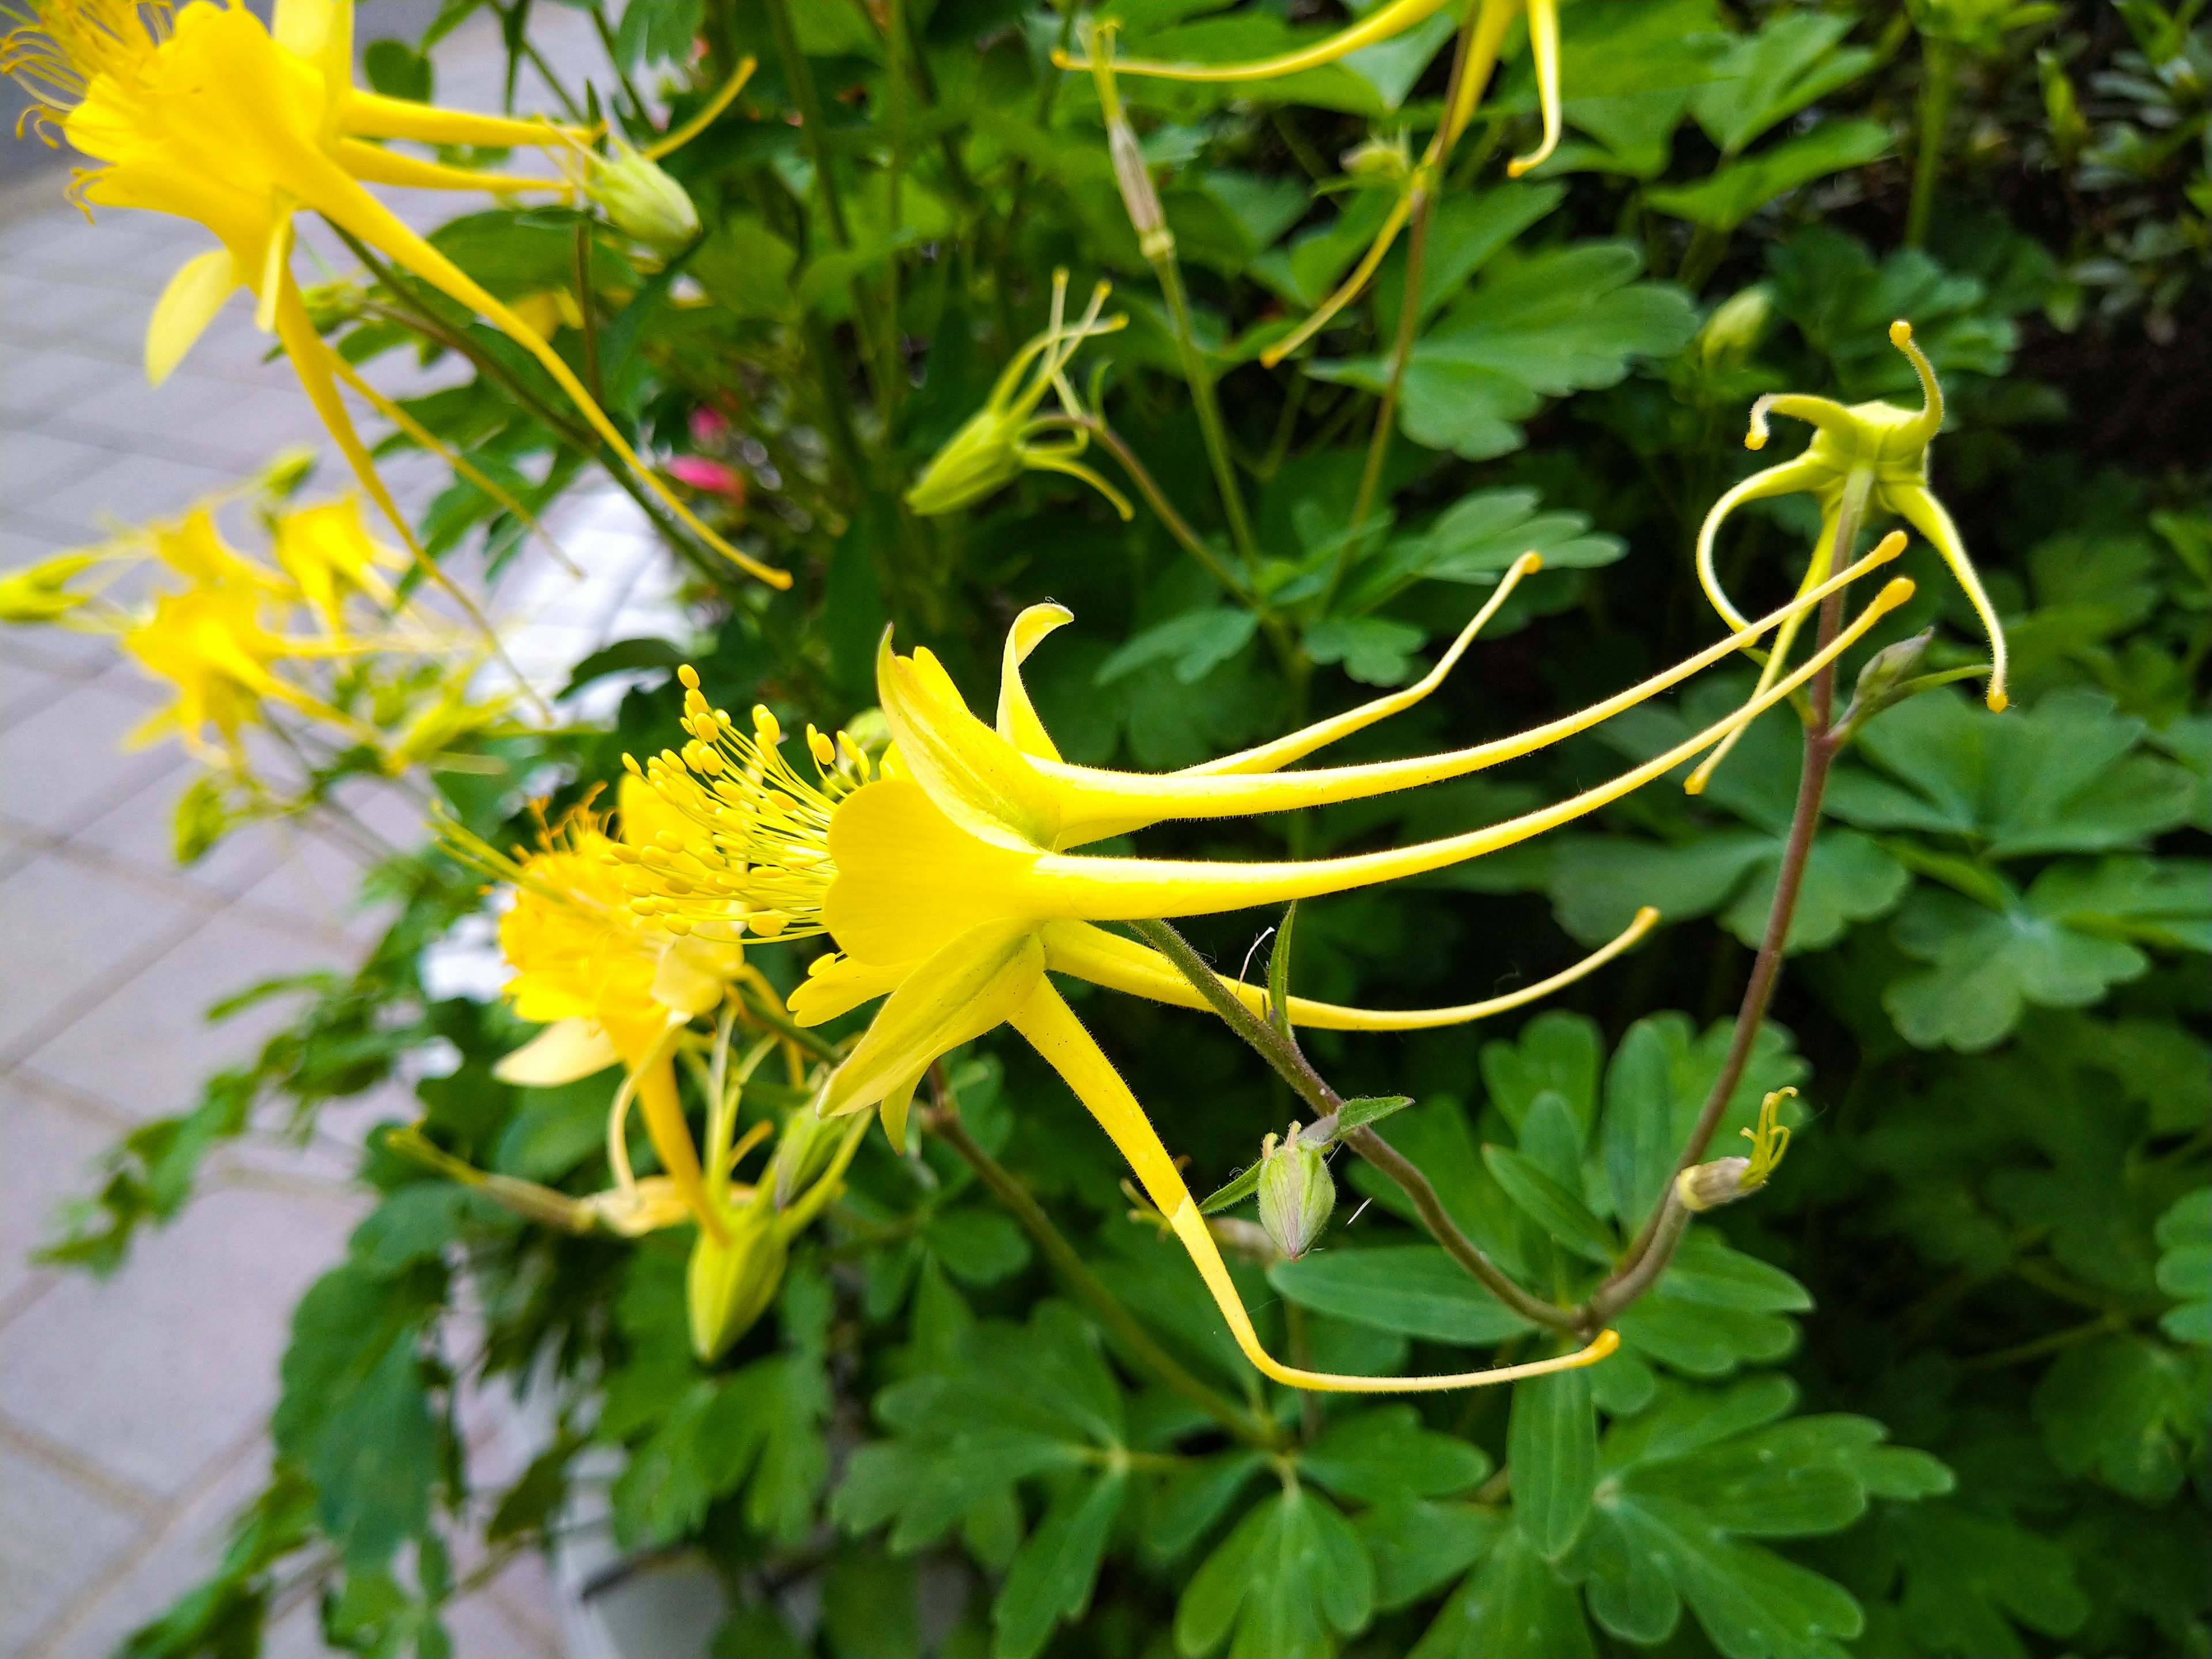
398, 70
1437, 1137
2062, 777
354, 1415
1052, 1573
1688, 1479
1513, 1603
1358, 1113
1706, 1270
1382, 1454
1414, 1290
1638, 1140
1187, 1504
2158, 901
2184, 1271
977, 1246
1986, 966
1418, 1544
1769, 76
1551, 1448
1011, 1402
2125, 1409
1563, 320
1196, 642
1739, 189
1968, 1579
1291, 1577
1551, 1205
1372, 649
1473, 542
746, 267
1556, 1051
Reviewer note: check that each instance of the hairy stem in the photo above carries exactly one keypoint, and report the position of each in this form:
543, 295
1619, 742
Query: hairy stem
943, 1121
1283, 1053
1820, 748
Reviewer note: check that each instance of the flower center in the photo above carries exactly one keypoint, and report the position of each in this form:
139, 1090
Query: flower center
759, 852
66, 44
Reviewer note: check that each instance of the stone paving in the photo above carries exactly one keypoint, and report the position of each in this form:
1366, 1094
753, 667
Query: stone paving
132, 1409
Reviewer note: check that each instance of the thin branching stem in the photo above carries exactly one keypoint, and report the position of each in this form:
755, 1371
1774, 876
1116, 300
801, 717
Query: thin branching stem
1282, 1052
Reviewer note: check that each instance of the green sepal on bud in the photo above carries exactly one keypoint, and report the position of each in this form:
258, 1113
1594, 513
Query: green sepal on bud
729, 1285
1733, 333
1296, 1193
641, 200
803, 1149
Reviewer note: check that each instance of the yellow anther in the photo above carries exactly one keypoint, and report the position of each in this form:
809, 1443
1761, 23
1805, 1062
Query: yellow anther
825, 752
765, 725
690, 676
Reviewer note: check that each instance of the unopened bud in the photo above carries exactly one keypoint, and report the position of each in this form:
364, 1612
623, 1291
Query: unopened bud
803, 1151
1707, 1186
1154, 239
730, 1284
1733, 330
980, 460
643, 201
1380, 159
40, 594
1296, 1193
333, 305
1884, 680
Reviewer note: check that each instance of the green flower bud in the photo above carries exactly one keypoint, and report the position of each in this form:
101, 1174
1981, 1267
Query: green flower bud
729, 1286
1733, 330
643, 201
333, 305
1708, 1186
39, 594
803, 1151
1296, 1193
1379, 158
979, 460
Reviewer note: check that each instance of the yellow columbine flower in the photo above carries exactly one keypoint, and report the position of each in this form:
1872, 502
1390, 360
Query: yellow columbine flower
1380, 24
1862, 456
205, 113
944, 879
608, 985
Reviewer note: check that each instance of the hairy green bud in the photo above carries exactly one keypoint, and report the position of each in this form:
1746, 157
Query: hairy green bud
1296, 1193
643, 201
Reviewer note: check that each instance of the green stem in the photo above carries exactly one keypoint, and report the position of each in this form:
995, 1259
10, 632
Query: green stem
1201, 380
587, 309
1281, 1051
1939, 67
944, 1121
614, 62
1767, 968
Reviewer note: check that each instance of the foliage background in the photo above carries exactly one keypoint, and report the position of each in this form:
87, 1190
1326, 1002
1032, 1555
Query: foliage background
1940, 1389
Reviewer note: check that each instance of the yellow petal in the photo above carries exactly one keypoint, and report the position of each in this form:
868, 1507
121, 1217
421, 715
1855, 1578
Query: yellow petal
977, 778
968, 987
1090, 797
1378, 25
909, 879
692, 973
1056, 1033
1017, 717
373, 115
1918, 506
837, 985
1122, 964
187, 307
564, 1052
1064, 885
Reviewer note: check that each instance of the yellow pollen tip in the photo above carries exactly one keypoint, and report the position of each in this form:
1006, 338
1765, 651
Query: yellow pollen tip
1900, 333
690, 676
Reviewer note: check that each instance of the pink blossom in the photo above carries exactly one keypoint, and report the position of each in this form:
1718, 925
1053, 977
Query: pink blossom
715, 477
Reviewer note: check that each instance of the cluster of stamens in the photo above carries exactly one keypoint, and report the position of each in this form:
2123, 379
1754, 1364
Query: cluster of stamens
62, 45
758, 860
